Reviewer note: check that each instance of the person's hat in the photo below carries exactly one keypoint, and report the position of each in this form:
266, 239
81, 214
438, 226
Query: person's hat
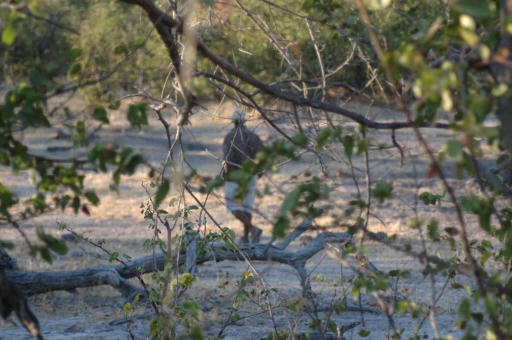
238, 116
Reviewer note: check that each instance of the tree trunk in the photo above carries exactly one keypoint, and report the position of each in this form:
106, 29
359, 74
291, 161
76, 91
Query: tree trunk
117, 275
503, 75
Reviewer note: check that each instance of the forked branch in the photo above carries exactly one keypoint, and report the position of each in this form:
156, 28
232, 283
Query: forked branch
158, 17
117, 275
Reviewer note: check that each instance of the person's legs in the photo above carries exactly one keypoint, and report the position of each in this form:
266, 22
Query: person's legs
249, 204
241, 211
245, 218
237, 209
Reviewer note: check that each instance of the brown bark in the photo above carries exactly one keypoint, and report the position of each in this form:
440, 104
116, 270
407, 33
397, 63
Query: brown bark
117, 275
502, 72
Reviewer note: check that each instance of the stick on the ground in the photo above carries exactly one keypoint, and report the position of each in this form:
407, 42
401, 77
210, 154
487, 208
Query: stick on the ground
118, 275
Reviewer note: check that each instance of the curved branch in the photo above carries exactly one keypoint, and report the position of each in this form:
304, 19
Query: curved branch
117, 275
156, 15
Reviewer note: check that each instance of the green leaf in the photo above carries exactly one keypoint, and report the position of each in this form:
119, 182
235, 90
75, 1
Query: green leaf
491, 304
348, 144
478, 317
290, 201
34, 8
281, 227
470, 37
76, 204
73, 54
322, 139
167, 299
9, 34
197, 333
121, 49
45, 254
336, 133
217, 182
454, 149
58, 247
100, 114
381, 283
187, 280
383, 190
401, 306
465, 309
130, 161
429, 198
49, 69
52, 243
75, 69
362, 145
127, 308
113, 256
332, 326
363, 333
433, 230
4, 158
301, 140
191, 308
114, 105
80, 138
476, 8
92, 197
484, 258
306, 5
458, 285
234, 318
7, 200
161, 192
137, 115
339, 308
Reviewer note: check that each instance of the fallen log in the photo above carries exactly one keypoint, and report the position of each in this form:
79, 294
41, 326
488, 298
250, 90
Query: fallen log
117, 275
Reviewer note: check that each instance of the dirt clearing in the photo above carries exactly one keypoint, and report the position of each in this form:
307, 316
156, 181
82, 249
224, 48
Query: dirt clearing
90, 313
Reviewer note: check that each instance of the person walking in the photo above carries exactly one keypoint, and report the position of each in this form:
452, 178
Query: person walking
241, 144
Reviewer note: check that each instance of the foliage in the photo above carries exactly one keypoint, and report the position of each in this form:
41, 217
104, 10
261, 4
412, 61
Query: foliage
430, 198
449, 54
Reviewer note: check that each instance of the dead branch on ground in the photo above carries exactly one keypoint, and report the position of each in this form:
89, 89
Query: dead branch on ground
117, 275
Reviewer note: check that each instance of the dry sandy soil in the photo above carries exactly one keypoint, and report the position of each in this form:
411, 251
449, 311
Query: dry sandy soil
118, 219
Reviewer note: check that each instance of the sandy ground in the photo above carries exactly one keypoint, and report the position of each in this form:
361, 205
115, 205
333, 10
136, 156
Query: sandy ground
118, 220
